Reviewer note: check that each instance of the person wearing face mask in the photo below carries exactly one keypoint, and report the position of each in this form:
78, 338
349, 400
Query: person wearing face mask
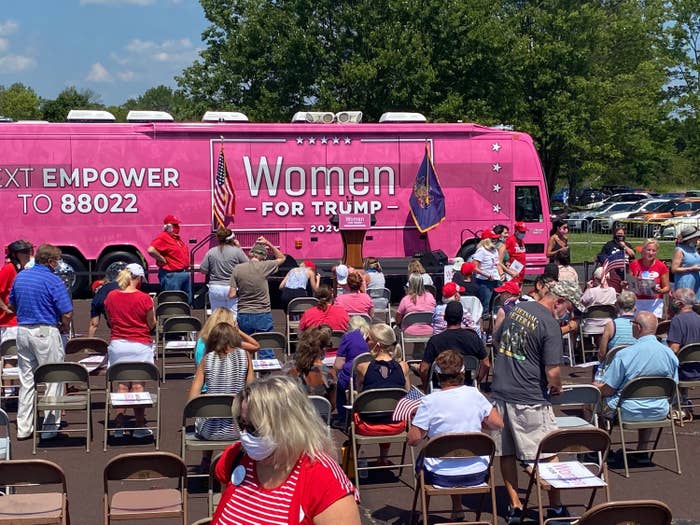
172, 257
284, 469
132, 318
612, 248
515, 245
503, 255
44, 309
558, 239
526, 372
18, 254
685, 264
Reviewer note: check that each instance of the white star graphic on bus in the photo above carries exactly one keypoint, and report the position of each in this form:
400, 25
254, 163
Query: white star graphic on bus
300, 140
496, 188
312, 140
324, 140
347, 140
336, 140
495, 147
497, 208
497, 167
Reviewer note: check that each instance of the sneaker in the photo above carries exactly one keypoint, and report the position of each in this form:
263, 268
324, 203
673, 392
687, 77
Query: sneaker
49, 435
559, 518
141, 433
118, 434
514, 515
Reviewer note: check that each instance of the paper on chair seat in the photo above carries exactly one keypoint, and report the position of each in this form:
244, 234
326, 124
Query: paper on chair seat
131, 398
93, 362
180, 345
266, 364
568, 474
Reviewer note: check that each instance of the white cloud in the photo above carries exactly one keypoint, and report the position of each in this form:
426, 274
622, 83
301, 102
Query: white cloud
16, 63
98, 73
4, 44
117, 2
139, 52
126, 76
8, 27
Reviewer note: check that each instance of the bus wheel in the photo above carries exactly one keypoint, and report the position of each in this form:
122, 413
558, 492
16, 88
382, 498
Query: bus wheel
79, 284
120, 256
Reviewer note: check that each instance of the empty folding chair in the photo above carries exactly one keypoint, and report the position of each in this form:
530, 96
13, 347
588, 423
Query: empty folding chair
295, 309
688, 357
381, 299
178, 338
9, 371
637, 512
139, 372
581, 397
271, 341
18, 507
91, 352
414, 318
4, 435
589, 332
172, 296
323, 407
54, 398
458, 446
158, 487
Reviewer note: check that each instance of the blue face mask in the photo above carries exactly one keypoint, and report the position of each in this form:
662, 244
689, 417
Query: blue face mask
520, 235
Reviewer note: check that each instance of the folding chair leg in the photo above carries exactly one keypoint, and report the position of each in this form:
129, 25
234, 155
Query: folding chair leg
675, 447
624, 451
412, 517
656, 444
540, 510
425, 502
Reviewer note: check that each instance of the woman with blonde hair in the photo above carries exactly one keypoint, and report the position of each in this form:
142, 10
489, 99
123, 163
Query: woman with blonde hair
417, 299
651, 281
386, 369
222, 315
487, 268
131, 318
284, 469
218, 265
374, 275
415, 266
295, 282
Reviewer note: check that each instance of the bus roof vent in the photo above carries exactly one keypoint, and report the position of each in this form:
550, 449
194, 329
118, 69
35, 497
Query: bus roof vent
349, 117
224, 116
90, 115
5, 119
402, 116
32, 122
148, 116
503, 127
324, 117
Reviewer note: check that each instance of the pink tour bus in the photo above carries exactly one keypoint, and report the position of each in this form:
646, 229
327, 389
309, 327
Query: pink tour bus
100, 190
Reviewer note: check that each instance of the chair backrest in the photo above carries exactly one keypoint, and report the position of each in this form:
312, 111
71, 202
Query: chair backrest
416, 318
689, 353
87, 345
299, 305
270, 340
460, 446
144, 466
323, 407
600, 311
431, 288
577, 395
575, 440
632, 512
359, 314
662, 327
169, 309
377, 403
181, 324
172, 296
648, 387
8, 348
379, 293
208, 405
4, 422
31, 472
364, 357
133, 371
61, 373
611, 353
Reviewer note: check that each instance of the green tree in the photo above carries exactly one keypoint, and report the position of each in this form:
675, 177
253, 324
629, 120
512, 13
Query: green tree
19, 102
70, 98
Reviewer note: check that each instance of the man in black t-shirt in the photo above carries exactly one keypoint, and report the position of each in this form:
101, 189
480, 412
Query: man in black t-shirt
463, 340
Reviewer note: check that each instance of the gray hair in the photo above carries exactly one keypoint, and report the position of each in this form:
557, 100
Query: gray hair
685, 296
626, 301
357, 322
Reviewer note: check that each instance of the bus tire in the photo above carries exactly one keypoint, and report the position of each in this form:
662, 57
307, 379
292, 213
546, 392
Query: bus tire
118, 256
81, 279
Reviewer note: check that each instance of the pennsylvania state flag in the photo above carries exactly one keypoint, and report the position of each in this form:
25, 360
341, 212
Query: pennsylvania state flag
427, 200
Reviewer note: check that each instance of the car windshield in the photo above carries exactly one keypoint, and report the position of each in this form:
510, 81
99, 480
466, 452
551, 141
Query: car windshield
667, 206
652, 206
622, 206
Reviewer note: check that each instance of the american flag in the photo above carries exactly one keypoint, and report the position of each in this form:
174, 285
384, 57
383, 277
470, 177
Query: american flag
224, 196
615, 261
407, 405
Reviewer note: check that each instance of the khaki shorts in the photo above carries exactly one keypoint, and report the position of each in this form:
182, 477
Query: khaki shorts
524, 426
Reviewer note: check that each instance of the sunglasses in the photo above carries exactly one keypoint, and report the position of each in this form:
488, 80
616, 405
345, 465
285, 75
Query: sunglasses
246, 426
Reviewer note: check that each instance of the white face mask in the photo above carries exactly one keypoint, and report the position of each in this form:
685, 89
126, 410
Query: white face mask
258, 448
30, 263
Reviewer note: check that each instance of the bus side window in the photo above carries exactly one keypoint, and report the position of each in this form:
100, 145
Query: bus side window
528, 206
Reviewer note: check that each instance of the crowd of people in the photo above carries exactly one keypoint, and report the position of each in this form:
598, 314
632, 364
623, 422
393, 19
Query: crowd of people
282, 448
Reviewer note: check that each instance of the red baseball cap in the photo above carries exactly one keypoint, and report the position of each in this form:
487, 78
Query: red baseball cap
489, 234
509, 286
310, 264
467, 268
520, 226
450, 289
171, 219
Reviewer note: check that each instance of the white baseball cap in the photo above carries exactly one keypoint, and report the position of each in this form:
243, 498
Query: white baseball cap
136, 270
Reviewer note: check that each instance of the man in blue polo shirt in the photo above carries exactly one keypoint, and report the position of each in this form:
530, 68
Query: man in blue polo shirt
44, 309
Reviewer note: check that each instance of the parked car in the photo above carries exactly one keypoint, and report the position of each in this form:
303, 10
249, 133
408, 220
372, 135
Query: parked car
643, 206
646, 224
588, 196
628, 197
692, 193
672, 195
561, 196
586, 220
671, 228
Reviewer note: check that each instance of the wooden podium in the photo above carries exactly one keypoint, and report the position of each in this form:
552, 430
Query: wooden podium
353, 227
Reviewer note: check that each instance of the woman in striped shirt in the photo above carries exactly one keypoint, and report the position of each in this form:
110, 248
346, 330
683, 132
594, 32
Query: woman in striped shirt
283, 471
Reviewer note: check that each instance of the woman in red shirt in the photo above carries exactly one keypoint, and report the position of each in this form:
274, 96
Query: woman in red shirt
284, 468
651, 281
131, 317
325, 312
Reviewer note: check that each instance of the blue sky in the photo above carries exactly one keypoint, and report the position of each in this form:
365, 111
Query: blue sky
117, 48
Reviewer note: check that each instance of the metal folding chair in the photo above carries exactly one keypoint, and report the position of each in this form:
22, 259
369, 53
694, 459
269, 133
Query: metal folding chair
323, 407
9, 377
31, 508
178, 338
295, 309
583, 397
637, 512
172, 296
688, 355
